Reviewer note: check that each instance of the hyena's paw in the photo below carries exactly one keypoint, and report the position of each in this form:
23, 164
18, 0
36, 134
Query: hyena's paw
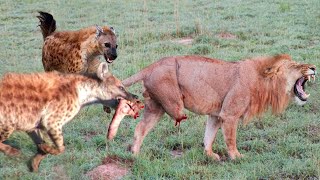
12, 152
35, 162
106, 109
49, 149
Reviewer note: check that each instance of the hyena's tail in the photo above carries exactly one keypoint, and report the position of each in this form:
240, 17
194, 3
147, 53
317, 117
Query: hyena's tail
47, 23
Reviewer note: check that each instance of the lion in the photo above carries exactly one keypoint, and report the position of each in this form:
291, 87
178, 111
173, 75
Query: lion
227, 92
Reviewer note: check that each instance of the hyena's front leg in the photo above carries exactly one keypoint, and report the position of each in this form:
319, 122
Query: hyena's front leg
57, 138
55, 134
40, 155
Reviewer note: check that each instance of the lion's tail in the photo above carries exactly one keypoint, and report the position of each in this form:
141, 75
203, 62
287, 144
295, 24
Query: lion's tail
134, 78
47, 23
143, 73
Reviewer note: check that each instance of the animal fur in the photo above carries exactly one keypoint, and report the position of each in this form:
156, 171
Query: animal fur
75, 51
47, 101
225, 91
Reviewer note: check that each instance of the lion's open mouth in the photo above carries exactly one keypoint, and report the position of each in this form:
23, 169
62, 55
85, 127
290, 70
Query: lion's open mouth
299, 87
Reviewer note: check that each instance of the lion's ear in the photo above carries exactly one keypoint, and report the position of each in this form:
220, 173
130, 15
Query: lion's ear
274, 64
270, 71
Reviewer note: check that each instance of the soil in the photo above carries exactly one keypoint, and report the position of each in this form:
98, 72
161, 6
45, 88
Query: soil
184, 41
113, 167
226, 35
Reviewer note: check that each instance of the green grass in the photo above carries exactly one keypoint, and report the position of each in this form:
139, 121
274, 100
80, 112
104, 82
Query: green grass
275, 147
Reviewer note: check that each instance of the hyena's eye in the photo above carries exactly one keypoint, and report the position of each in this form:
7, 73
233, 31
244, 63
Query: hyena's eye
108, 45
121, 88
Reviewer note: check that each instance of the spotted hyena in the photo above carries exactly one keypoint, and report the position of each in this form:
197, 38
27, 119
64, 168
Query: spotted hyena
47, 101
75, 51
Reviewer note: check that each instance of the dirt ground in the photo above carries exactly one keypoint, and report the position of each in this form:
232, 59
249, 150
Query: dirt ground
112, 168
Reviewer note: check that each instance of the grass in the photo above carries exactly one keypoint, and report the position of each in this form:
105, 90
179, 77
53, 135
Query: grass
275, 147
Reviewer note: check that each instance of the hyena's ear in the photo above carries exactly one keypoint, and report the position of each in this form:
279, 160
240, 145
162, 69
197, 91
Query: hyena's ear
113, 30
99, 31
103, 71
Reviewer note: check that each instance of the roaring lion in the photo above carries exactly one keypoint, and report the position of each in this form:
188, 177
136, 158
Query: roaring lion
225, 91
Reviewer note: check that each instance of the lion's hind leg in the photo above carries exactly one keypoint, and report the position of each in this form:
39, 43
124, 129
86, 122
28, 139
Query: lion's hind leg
7, 149
212, 126
171, 100
152, 114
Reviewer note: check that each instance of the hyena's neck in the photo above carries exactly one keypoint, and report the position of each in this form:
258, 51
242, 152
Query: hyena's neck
90, 49
88, 93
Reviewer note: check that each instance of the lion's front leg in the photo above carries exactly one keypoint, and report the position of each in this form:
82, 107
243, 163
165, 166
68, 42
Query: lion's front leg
233, 107
229, 130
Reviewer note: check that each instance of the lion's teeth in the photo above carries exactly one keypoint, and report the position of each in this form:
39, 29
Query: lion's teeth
313, 77
309, 77
307, 95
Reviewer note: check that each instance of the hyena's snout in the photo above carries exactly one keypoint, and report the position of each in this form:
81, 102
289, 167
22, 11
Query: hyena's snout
110, 55
113, 53
126, 95
131, 96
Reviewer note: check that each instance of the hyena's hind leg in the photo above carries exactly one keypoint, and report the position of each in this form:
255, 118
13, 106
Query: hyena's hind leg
7, 149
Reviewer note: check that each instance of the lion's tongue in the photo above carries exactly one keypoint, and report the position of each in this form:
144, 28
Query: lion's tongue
300, 88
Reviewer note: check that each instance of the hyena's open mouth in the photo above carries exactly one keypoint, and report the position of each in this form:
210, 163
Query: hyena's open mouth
109, 58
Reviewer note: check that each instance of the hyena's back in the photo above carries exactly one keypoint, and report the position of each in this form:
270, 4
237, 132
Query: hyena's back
25, 99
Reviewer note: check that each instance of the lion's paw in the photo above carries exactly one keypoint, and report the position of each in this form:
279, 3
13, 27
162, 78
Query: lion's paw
213, 155
234, 155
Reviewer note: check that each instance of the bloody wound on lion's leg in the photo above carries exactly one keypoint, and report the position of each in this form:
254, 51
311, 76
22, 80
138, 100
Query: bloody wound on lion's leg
178, 120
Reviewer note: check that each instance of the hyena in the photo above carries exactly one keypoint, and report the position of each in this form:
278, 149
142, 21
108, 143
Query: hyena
75, 51
47, 101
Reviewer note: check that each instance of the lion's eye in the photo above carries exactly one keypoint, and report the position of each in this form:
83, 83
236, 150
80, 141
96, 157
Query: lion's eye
108, 45
121, 88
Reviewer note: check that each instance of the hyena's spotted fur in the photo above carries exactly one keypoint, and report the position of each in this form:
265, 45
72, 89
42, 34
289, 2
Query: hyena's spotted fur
75, 51
47, 101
